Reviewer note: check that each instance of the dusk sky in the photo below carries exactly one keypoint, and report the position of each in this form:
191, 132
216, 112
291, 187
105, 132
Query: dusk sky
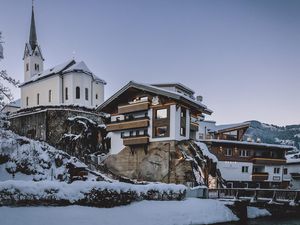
243, 57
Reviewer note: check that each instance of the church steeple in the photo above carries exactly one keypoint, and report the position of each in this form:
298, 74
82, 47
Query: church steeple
32, 36
33, 58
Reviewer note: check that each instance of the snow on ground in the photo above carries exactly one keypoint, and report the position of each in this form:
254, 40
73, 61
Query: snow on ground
254, 212
189, 211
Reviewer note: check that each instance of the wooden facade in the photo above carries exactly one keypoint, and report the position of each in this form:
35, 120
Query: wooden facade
124, 125
133, 107
139, 140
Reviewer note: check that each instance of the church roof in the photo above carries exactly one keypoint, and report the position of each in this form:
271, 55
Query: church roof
32, 36
64, 68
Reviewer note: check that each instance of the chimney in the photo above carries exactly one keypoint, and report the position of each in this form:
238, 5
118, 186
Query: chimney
199, 98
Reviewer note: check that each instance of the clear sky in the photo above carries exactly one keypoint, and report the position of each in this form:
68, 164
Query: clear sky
242, 56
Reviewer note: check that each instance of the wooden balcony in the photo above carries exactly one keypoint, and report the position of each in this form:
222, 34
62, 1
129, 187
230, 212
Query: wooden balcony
133, 107
260, 176
139, 140
125, 125
268, 161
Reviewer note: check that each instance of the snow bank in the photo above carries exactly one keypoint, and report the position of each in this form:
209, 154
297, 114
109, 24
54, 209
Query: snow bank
254, 212
101, 194
189, 211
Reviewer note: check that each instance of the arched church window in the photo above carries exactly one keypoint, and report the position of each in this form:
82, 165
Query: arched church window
27, 67
66, 94
50, 95
96, 96
77, 92
38, 99
86, 94
27, 101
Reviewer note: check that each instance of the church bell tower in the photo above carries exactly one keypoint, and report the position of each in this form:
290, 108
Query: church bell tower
33, 58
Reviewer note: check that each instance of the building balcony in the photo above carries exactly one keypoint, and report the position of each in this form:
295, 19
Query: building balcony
194, 126
128, 124
136, 140
133, 107
268, 161
260, 176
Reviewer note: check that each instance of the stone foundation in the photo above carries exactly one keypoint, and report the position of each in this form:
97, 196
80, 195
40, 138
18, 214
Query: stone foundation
162, 162
47, 124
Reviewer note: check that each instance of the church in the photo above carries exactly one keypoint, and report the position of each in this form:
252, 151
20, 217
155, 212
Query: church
70, 83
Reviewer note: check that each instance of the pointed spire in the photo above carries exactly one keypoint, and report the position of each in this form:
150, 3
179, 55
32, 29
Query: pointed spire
32, 36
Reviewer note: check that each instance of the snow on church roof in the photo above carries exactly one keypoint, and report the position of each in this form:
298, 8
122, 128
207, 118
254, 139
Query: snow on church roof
66, 67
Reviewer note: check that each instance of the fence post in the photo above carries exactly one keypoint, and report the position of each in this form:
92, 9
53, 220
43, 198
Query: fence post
274, 196
218, 193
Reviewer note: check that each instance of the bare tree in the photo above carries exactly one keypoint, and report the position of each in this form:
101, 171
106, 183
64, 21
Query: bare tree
5, 92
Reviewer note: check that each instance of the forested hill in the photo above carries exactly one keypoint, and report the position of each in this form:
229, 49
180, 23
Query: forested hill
288, 135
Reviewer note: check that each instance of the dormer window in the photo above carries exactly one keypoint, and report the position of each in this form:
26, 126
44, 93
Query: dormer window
36, 54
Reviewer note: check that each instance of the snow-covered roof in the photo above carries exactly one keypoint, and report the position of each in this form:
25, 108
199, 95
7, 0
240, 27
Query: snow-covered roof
159, 91
64, 68
177, 85
286, 147
16, 103
219, 128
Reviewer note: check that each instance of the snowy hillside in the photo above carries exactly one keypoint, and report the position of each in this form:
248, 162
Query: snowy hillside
286, 135
25, 159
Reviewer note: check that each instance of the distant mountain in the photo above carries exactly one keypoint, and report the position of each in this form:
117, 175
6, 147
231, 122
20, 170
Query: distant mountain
269, 133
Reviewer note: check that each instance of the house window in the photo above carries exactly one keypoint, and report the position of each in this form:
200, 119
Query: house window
50, 95
276, 170
244, 153
27, 67
38, 99
182, 131
36, 67
66, 93
244, 169
183, 121
285, 171
228, 152
145, 132
161, 114
27, 101
86, 94
77, 92
161, 131
96, 96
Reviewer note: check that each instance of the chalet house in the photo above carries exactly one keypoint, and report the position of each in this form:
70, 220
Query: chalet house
245, 163
142, 114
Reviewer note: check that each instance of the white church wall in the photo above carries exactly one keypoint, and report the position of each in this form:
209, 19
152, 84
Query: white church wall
42, 87
98, 89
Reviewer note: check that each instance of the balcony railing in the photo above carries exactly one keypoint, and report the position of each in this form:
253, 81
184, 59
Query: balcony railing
268, 161
128, 124
133, 107
136, 140
260, 176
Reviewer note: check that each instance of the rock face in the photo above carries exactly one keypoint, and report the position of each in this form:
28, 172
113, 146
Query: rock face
49, 123
169, 162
